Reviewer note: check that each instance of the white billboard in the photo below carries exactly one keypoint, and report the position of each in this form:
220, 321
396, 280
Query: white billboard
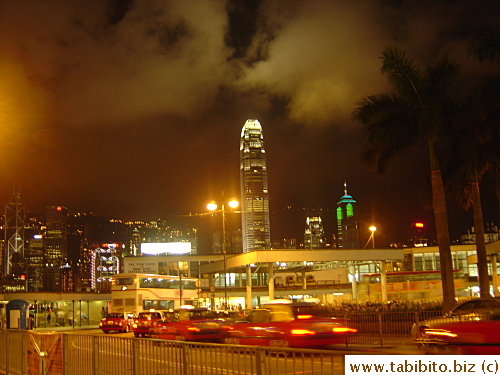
166, 248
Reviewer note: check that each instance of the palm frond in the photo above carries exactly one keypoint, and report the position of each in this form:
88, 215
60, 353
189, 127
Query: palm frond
370, 108
441, 77
402, 72
387, 138
486, 48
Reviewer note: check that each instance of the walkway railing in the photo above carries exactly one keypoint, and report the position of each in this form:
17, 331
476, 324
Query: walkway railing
42, 352
69, 353
384, 328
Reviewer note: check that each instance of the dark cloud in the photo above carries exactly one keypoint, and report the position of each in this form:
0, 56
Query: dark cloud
134, 108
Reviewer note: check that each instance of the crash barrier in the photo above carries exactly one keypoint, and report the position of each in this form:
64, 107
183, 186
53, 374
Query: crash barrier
384, 329
35, 352
58, 353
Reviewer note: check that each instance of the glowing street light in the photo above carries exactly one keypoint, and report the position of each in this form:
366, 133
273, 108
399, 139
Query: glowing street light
212, 206
372, 236
373, 229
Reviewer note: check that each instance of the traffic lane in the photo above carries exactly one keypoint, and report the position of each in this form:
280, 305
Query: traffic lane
340, 349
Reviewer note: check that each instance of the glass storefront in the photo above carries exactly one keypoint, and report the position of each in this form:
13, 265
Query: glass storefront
75, 314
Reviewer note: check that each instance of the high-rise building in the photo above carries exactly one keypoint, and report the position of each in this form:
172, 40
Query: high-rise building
35, 260
314, 233
254, 194
56, 247
106, 265
13, 256
347, 225
232, 245
84, 281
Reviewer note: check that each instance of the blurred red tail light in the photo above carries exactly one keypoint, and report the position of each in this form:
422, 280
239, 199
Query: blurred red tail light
302, 332
308, 316
344, 330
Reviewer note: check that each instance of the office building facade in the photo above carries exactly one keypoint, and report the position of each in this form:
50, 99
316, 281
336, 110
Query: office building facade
254, 194
314, 233
56, 247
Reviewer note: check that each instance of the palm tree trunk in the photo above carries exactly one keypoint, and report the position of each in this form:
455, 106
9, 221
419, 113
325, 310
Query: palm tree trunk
482, 260
443, 235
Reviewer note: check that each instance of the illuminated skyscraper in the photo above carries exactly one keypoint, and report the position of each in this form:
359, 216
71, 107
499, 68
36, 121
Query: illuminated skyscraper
34, 257
56, 247
314, 234
347, 226
13, 256
254, 194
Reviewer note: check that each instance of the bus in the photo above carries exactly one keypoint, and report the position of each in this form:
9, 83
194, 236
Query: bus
410, 284
135, 292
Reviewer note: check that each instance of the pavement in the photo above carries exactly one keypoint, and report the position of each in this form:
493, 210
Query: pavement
386, 350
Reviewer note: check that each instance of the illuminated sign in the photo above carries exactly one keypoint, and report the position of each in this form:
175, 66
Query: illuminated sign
141, 266
166, 248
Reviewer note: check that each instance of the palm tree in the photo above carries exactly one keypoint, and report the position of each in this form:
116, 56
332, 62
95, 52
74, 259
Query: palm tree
415, 111
484, 106
487, 48
471, 158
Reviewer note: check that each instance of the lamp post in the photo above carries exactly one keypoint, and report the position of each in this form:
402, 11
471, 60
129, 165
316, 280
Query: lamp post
372, 237
373, 229
212, 206
179, 265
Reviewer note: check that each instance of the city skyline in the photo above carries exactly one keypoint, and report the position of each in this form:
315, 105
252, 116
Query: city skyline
133, 109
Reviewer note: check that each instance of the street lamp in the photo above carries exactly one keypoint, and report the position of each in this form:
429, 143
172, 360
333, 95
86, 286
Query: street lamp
373, 229
212, 206
372, 236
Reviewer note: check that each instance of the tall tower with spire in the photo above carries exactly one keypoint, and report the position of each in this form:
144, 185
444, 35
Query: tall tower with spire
13, 257
347, 225
254, 194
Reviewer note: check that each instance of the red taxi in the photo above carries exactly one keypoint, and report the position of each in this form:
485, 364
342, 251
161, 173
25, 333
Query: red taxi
465, 337
192, 324
117, 321
288, 325
147, 320
477, 309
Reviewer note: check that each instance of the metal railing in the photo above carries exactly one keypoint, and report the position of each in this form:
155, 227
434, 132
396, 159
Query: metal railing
384, 329
38, 352
69, 353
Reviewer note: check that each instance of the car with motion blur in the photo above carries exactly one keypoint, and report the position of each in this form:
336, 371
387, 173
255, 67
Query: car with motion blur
474, 310
231, 316
194, 324
117, 321
146, 321
481, 337
287, 324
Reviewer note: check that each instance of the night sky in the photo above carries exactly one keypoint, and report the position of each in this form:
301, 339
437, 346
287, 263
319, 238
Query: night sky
133, 109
